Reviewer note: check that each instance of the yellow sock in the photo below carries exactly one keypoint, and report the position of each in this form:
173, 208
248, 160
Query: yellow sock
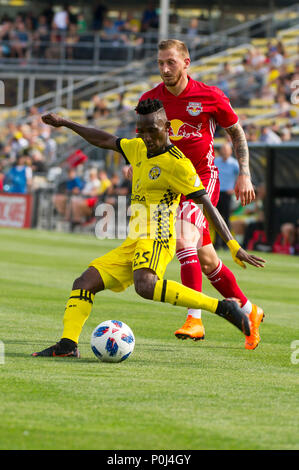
176, 294
77, 311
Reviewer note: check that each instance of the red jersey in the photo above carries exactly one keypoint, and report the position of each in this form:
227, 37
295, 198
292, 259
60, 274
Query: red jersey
193, 115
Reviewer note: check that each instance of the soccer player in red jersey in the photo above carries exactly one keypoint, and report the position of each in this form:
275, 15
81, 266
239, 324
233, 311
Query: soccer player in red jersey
194, 109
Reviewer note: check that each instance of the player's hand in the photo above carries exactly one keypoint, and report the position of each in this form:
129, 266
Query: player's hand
53, 120
244, 190
128, 170
243, 257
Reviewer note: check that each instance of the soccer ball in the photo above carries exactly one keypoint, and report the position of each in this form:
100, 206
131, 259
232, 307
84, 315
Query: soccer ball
112, 341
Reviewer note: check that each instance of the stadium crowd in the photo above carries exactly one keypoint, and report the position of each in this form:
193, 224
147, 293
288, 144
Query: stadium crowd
269, 77
40, 35
27, 150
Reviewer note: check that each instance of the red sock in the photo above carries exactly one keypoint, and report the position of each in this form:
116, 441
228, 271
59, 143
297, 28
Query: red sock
191, 274
225, 282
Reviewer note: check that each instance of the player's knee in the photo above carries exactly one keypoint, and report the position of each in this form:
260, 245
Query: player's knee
187, 236
90, 280
143, 289
209, 265
145, 285
208, 258
82, 283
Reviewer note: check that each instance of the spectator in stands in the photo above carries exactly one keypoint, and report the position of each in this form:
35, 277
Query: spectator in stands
18, 179
81, 23
119, 23
255, 237
19, 142
267, 93
92, 184
110, 32
133, 39
72, 38
41, 36
71, 187
99, 14
61, 19
191, 33
245, 219
53, 51
50, 148
282, 105
228, 173
255, 57
105, 182
281, 49
98, 108
74, 183
20, 40
81, 208
30, 21
268, 136
285, 134
119, 187
285, 240
275, 57
252, 133
38, 162
5, 37
150, 18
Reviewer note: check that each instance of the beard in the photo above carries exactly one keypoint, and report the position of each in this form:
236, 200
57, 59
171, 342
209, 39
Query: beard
173, 80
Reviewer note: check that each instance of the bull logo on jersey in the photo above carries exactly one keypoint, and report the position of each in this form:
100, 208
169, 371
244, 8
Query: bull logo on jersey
178, 130
154, 173
194, 109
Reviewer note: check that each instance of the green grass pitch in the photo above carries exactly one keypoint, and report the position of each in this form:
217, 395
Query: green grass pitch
169, 394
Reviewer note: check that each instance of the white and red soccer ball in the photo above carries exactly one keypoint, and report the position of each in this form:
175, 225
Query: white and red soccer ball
112, 341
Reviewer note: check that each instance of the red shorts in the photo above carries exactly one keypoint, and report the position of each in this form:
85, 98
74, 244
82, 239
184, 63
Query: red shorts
190, 212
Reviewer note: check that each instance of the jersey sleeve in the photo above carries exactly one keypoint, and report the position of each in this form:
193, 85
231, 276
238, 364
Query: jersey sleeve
224, 114
129, 149
185, 180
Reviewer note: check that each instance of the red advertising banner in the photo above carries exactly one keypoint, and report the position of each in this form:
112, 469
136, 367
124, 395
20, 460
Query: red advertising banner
15, 210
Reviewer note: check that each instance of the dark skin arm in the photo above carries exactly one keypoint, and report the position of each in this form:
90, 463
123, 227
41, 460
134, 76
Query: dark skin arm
243, 188
94, 136
214, 217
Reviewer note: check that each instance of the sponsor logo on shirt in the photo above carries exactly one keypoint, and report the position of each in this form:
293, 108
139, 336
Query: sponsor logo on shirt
137, 197
179, 129
194, 109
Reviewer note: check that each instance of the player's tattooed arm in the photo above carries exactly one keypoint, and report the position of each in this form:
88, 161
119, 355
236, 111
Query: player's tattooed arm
240, 256
243, 188
94, 136
239, 142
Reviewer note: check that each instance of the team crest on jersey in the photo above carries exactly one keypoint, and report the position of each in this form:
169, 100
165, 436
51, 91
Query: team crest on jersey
154, 173
194, 109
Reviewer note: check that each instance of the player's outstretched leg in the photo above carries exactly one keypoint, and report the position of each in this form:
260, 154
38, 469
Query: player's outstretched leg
78, 309
223, 279
191, 275
148, 286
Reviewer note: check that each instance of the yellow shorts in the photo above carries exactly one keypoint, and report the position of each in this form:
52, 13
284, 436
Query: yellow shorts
117, 266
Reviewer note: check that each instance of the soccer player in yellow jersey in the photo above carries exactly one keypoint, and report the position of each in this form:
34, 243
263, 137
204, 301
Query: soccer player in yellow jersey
161, 173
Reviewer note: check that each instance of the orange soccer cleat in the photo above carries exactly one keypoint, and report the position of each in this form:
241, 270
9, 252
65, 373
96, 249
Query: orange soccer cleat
192, 328
256, 316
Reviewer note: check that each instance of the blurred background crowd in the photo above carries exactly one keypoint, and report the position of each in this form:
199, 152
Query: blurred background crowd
29, 149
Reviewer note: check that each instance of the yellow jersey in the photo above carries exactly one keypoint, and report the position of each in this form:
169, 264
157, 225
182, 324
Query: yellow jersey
158, 182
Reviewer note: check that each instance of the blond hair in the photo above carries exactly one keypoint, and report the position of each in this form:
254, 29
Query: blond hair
170, 43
